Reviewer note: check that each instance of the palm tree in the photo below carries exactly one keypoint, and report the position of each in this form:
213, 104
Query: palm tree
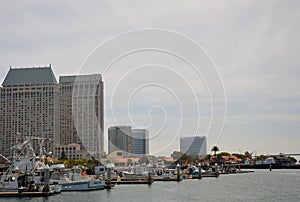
248, 155
215, 149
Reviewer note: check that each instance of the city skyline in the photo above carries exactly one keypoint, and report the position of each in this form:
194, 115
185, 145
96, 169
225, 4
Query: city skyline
254, 44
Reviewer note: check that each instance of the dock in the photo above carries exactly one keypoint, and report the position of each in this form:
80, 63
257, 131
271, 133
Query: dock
25, 194
194, 177
133, 181
236, 172
167, 179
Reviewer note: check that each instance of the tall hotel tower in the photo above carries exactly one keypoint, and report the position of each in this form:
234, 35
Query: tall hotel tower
29, 107
82, 113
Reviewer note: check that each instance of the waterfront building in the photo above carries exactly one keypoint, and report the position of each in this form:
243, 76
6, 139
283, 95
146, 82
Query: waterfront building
116, 154
194, 145
140, 142
29, 107
120, 139
120, 161
82, 116
72, 151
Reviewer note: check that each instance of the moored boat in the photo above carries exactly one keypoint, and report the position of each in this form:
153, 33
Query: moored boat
27, 174
83, 185
75, 181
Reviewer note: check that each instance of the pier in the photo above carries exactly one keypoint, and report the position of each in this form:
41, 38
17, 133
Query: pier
134, 181
25, 194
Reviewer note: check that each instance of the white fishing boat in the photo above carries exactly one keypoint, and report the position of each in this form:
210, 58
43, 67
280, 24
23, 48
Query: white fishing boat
27, 172
17, 182
83, 185
75, 181
11, 181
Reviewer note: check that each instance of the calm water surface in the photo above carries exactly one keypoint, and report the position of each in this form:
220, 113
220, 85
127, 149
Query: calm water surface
262, 185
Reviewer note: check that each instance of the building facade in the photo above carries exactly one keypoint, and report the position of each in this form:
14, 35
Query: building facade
29, 107
140, 142
194, 145
82, 112
120, 139
72, 151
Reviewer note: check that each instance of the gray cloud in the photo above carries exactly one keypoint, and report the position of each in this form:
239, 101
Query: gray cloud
255, 45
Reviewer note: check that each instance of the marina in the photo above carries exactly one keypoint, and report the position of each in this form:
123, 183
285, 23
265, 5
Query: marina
28, 174
243, 187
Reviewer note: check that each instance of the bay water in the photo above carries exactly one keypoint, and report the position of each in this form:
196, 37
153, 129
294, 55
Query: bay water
262, 185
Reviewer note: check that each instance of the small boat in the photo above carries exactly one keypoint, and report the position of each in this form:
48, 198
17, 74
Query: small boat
75, 181
83, 185
137, 172
166, 175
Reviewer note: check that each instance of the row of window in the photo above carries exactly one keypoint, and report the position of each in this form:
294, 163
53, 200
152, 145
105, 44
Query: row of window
9, 88
67, 148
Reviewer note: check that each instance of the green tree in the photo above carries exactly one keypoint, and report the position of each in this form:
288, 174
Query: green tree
207, 157
248, 155
261, 158
63, 156
224, 154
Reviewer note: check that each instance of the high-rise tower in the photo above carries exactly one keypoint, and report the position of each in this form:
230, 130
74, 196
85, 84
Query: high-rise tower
29, 107
82, 112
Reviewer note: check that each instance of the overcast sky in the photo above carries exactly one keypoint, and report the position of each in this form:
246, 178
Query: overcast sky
254, 45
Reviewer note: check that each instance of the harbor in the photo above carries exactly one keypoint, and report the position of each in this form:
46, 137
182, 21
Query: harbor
38, 175
247, 187
29, 175
26, 174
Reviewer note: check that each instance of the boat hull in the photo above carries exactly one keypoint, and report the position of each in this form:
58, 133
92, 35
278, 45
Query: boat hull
83, 185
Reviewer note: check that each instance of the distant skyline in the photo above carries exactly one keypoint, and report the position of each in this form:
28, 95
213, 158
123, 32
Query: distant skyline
254, 44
